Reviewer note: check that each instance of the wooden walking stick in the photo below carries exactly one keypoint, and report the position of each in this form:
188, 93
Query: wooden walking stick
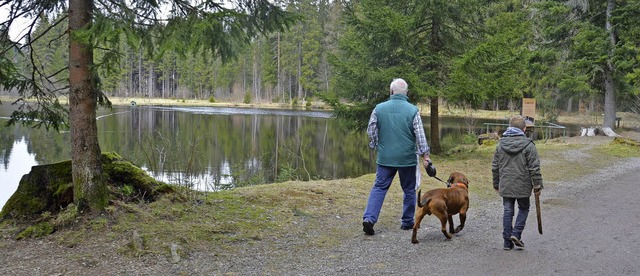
539, 215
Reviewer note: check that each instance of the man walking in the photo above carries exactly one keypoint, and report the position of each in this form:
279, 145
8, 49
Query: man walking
516, 171
395, 129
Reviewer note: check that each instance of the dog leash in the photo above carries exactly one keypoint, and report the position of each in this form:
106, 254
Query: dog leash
441, 180
431, 171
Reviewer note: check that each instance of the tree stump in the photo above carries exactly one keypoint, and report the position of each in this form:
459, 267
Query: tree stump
593, 131
50, 187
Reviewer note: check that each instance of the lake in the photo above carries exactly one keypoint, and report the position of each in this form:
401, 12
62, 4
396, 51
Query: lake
211, 148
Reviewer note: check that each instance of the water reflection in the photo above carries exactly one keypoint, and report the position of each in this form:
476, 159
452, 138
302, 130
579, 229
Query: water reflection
230, 147
203, 147
16, 162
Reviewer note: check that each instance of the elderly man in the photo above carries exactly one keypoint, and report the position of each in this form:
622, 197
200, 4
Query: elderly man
395, 129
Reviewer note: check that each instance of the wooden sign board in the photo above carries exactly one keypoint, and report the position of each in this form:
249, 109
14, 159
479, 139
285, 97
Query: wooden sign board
581, 108
529, 109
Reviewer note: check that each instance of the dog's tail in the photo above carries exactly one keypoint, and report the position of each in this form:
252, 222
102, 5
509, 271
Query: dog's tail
419, 198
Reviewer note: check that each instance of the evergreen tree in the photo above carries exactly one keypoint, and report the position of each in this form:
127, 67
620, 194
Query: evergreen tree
211, 26
413, 40
494, 68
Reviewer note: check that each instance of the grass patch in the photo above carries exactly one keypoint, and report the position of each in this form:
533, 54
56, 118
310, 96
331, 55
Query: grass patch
221, 218
36, 231
72, 238
619, 149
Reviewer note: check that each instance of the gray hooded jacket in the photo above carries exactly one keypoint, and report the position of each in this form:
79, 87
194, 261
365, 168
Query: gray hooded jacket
516, 167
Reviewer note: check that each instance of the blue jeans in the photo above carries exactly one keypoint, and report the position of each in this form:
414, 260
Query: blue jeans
384, 177
507, 219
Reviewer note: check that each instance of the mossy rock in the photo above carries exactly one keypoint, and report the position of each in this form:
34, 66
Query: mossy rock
489, 143
120, 172
49, 188
488, 138
626, 141
45, 188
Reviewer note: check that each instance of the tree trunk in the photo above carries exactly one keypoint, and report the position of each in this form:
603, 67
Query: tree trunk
244, 76
139, 92
89, 190
434, 138
279, 77
256, 75
300, 96
165, 77
150, 83
130, 75
609, 85
609, 99
290, 88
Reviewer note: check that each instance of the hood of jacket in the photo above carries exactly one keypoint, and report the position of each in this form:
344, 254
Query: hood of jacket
514, 140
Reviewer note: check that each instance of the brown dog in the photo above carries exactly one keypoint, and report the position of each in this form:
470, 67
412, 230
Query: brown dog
444, 203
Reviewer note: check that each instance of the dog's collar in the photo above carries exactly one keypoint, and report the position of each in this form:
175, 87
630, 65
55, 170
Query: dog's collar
459, 184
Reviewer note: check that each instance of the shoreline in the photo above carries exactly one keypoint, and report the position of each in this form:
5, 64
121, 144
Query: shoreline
629, 120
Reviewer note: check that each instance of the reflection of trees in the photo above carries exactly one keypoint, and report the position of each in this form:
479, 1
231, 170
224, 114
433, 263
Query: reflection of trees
318, 149
223, 150
7, 139
46, 146
248, 149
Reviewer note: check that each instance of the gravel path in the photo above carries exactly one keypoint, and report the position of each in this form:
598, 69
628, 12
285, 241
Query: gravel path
589, 229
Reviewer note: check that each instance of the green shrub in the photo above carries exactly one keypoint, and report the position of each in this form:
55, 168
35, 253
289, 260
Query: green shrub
66, 216
36, 231
212, 99
286, 173
469, 139
247, 98
127, 190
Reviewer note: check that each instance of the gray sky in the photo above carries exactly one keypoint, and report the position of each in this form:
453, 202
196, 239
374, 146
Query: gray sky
17, 27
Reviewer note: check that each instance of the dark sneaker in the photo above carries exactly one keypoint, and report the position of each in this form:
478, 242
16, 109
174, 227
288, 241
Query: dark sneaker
406, 227
517, 241
508, 245
367, 227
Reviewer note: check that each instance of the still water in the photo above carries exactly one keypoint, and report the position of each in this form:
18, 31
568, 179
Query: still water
209, 148
201, 147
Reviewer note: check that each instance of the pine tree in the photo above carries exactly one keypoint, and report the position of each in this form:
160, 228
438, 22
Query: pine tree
413, 40
98, 26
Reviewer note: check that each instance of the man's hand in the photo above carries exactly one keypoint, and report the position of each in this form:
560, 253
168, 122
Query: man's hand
426, 160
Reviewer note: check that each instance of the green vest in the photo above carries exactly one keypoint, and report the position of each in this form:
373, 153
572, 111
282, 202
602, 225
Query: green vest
396, 137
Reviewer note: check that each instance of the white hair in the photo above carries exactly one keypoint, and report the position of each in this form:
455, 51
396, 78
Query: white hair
399, 86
